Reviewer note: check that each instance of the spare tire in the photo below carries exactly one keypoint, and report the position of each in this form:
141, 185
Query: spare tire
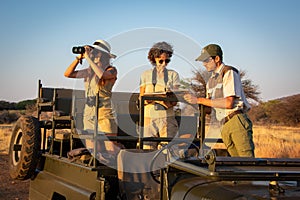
24, 150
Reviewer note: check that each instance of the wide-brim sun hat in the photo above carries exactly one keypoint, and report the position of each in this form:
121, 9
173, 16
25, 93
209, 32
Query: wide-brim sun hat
103, 46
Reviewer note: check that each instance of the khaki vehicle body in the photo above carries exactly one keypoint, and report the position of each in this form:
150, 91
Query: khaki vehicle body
44, 158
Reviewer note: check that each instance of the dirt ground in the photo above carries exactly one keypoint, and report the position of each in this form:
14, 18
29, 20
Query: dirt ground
11, 189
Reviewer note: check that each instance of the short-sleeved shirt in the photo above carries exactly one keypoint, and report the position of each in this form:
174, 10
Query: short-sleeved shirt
231, 86
160, 86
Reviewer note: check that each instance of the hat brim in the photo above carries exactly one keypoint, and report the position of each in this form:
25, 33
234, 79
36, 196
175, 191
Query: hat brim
204, 55
104, 50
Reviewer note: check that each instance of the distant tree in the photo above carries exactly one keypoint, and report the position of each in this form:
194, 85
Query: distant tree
22, 105
284, 111
271, 109
251, 91
4, 105
289, 111
197, 83
258, 114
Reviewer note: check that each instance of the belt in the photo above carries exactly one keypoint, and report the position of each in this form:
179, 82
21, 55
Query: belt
231, 115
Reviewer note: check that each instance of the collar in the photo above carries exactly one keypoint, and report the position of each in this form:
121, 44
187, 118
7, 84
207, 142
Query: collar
218, 70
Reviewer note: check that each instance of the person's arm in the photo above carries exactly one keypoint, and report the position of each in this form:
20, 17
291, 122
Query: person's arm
226, 103
229, 88
72, 73
99, 71
110, 73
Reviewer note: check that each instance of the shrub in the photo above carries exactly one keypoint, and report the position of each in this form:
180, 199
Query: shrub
7, 117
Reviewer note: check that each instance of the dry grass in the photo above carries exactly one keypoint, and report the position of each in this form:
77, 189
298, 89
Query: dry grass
276, 142
5, 133
270, 141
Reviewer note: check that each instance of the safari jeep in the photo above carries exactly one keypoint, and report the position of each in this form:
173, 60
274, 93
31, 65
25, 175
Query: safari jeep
50, 151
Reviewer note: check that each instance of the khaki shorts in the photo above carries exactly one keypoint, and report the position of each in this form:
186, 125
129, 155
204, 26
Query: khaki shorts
106, 120
159, 127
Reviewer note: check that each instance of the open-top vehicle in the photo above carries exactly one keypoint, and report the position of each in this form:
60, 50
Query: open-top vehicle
50, 151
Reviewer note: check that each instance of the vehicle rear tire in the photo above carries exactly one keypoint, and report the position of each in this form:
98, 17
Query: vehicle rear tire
24, 150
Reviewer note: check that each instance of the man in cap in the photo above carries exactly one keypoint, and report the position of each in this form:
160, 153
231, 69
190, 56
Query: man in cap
224, 93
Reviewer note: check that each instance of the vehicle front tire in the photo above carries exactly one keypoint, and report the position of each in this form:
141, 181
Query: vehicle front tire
24, 150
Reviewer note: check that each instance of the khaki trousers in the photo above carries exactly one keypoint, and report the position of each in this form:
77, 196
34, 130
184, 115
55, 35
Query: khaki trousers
237, 136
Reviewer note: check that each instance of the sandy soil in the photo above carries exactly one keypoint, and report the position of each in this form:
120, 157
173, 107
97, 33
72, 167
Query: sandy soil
11, 189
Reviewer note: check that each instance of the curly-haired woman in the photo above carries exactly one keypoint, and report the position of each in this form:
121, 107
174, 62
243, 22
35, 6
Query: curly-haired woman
159, 116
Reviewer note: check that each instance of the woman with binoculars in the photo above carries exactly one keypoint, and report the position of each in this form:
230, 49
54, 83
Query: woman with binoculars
99, 77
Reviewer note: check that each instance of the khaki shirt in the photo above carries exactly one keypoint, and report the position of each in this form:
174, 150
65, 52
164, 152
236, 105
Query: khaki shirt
161, 86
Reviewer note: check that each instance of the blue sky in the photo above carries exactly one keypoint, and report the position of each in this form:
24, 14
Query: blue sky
261, 37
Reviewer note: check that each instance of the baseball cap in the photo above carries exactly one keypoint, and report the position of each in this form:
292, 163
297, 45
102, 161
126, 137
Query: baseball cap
210, 50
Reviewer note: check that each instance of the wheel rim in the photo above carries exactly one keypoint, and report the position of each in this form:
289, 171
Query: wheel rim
17, 147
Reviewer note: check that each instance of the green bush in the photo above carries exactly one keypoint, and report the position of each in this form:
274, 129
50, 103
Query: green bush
22, 105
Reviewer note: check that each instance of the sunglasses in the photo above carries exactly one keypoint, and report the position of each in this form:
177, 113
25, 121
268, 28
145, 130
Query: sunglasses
162, 61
